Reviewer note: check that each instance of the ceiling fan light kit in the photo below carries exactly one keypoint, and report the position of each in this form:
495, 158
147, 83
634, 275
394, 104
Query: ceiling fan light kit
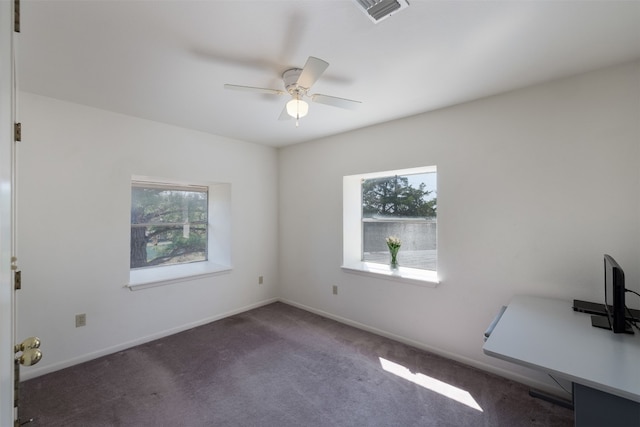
379, 10
297, 108
297, 82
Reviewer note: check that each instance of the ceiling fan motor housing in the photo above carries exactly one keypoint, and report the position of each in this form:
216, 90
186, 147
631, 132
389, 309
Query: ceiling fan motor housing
290, 78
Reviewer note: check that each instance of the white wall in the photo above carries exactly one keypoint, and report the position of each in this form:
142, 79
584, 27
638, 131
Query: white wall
75, 167
534, 186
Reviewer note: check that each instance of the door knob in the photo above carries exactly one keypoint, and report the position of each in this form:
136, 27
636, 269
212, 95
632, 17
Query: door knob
30, 357
31, 342
30, 351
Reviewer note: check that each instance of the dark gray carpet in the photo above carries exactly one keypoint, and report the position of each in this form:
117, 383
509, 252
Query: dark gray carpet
276, 366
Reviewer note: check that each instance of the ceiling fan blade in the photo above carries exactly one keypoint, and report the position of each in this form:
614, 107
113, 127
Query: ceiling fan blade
312, 70
255, 89
284, 115
334, 101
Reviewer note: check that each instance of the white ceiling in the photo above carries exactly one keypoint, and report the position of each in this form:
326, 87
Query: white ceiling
168, 60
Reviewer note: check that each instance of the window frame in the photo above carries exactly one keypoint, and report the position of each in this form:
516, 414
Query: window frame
352, 239
404, 220
218, 240
166, 186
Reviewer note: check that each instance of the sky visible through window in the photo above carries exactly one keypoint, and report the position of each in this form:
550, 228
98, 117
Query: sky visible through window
430, 179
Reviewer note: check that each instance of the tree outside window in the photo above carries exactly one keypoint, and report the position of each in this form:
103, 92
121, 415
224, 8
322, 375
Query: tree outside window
169, 224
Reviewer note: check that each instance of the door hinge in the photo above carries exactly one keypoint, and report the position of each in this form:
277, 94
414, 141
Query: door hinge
16, 383
17, 280
17, 132
16, 16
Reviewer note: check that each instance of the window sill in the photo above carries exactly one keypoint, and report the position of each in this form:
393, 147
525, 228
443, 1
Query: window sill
414, 276
159, 276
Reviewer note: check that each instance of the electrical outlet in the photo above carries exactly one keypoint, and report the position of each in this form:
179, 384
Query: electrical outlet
81, 320
260, 280
335, 289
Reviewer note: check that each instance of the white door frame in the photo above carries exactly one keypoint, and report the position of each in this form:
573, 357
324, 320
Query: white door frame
6, 206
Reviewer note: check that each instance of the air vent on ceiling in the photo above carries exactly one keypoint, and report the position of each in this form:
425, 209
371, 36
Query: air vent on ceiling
378, 10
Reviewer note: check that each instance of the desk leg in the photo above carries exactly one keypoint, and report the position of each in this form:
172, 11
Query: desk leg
595, 408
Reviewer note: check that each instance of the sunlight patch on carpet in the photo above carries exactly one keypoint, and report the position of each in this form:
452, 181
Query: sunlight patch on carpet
430, 383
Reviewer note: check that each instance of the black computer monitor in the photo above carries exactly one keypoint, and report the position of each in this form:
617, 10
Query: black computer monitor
614, 302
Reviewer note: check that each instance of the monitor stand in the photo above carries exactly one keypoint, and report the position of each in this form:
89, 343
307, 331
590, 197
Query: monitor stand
603, 322
597, 308
600, 322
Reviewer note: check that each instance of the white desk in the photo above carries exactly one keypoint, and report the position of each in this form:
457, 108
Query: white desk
547, 335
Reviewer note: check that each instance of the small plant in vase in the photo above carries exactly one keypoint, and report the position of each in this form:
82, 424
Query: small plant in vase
393, 243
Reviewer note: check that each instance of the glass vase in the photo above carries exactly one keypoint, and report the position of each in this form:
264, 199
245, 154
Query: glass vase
393, 264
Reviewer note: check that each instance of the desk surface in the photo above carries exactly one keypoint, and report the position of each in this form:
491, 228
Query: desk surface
546, 334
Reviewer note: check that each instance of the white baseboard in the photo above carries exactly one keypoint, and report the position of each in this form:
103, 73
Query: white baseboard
36, 371
511, 375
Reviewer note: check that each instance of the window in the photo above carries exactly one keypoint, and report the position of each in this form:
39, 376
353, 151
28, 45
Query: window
169, 224
179, 231
399, 203
403, 206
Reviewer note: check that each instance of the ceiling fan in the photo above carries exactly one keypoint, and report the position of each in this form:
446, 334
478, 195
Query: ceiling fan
297, 82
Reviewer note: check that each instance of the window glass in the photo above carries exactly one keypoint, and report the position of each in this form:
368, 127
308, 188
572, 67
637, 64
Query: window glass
401, 206
169, 224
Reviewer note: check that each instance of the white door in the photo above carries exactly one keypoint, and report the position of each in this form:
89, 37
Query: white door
26, 352
6, 223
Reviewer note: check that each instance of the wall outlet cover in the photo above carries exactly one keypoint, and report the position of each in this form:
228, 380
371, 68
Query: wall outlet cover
81, 320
